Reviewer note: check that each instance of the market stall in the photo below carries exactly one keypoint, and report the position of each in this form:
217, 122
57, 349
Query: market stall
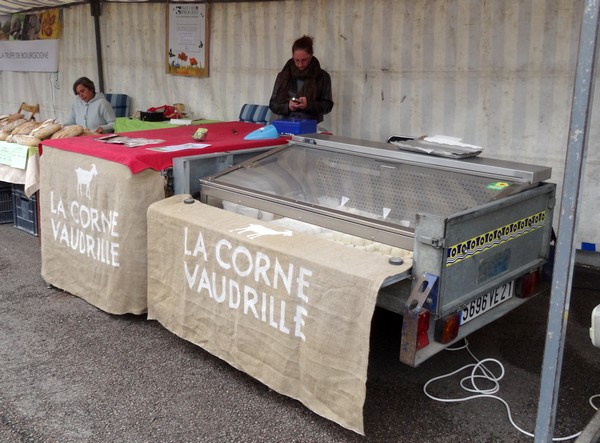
93, 201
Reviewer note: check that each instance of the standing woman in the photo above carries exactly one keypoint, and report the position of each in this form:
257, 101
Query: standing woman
302, 89
91, 109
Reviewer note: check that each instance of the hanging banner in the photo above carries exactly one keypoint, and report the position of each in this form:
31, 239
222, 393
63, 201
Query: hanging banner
29, 42
34, 56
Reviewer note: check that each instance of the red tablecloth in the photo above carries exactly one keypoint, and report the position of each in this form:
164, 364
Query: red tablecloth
222, 136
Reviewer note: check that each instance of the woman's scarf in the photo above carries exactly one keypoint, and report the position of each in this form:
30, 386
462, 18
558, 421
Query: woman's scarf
309, 75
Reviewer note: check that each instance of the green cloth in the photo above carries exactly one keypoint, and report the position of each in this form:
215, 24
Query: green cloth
127, 124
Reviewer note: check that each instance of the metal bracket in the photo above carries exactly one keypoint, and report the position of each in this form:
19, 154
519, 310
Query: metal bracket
422, 295
437, 243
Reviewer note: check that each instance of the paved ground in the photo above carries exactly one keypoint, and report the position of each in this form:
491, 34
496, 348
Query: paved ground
72, 373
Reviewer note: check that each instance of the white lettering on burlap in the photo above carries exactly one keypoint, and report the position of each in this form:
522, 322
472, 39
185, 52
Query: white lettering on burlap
218, 248
302, 283
239, 254
250, 299
219, 295
85, 230
301, 312
198, 247
204, 283
285, 277
262, 265
190, 278
59, 209
235, 294
230, 274
282, 326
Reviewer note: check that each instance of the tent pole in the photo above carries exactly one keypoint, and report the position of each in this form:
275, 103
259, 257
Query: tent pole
565, 245
96, 12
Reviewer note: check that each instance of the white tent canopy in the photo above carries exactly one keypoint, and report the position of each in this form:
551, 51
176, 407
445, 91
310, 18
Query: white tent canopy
14, 6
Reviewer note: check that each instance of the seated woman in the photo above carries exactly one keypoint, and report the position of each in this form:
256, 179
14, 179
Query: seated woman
91, 109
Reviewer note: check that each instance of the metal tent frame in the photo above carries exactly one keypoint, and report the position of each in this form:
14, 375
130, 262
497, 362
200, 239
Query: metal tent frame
565, 246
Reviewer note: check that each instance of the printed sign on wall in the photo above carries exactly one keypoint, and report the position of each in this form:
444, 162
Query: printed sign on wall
29, 42
187, 39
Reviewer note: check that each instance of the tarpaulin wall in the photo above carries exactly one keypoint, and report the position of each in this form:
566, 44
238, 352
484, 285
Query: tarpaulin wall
497, 73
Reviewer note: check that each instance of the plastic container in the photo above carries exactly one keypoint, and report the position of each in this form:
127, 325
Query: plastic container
152, 116
295, 126
25, 211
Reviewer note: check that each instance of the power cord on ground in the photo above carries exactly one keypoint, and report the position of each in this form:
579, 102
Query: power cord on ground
479, 371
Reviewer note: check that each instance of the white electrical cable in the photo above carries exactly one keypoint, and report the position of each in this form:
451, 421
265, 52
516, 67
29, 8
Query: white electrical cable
479, 371
53, 85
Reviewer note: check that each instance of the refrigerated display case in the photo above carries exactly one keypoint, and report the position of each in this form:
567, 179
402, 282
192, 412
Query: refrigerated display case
477, 230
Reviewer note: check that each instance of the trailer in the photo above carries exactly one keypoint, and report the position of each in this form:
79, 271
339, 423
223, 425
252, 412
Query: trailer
476, 230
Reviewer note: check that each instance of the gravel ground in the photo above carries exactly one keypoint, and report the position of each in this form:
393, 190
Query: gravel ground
72, 373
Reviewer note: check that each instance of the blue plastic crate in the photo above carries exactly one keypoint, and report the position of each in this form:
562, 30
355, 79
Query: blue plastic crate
25, 211
6, 203
295, 126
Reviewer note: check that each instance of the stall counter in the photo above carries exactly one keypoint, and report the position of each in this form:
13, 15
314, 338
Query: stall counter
93, 202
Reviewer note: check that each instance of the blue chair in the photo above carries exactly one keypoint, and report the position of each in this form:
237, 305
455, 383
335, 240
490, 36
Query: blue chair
256, 114
120, 103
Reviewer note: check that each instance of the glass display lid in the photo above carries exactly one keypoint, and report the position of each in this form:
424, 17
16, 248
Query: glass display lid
361, 187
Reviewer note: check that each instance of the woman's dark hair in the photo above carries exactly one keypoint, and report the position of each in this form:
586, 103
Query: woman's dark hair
305, 43
85, 82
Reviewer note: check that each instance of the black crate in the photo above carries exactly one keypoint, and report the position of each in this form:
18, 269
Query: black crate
25, 211
6, 203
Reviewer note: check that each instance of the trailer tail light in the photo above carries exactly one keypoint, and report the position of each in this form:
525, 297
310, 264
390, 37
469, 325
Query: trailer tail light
423, 329
446, 329
527, 284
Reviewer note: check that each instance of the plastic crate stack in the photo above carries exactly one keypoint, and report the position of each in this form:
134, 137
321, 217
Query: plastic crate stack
6, 203
25, 210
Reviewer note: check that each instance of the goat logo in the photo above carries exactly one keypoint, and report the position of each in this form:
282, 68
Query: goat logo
84, 179
255, 231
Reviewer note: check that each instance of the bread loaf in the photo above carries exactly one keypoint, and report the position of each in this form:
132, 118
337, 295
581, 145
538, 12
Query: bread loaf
68, 131
45, 130
25, 128
26, 140
9, 127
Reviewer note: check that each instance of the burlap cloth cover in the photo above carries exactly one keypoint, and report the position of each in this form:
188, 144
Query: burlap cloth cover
93, 228
291, 310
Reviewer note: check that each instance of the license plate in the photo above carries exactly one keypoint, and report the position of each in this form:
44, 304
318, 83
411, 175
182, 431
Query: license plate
487, 301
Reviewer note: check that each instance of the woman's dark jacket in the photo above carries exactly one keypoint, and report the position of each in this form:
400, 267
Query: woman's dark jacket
313, 83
